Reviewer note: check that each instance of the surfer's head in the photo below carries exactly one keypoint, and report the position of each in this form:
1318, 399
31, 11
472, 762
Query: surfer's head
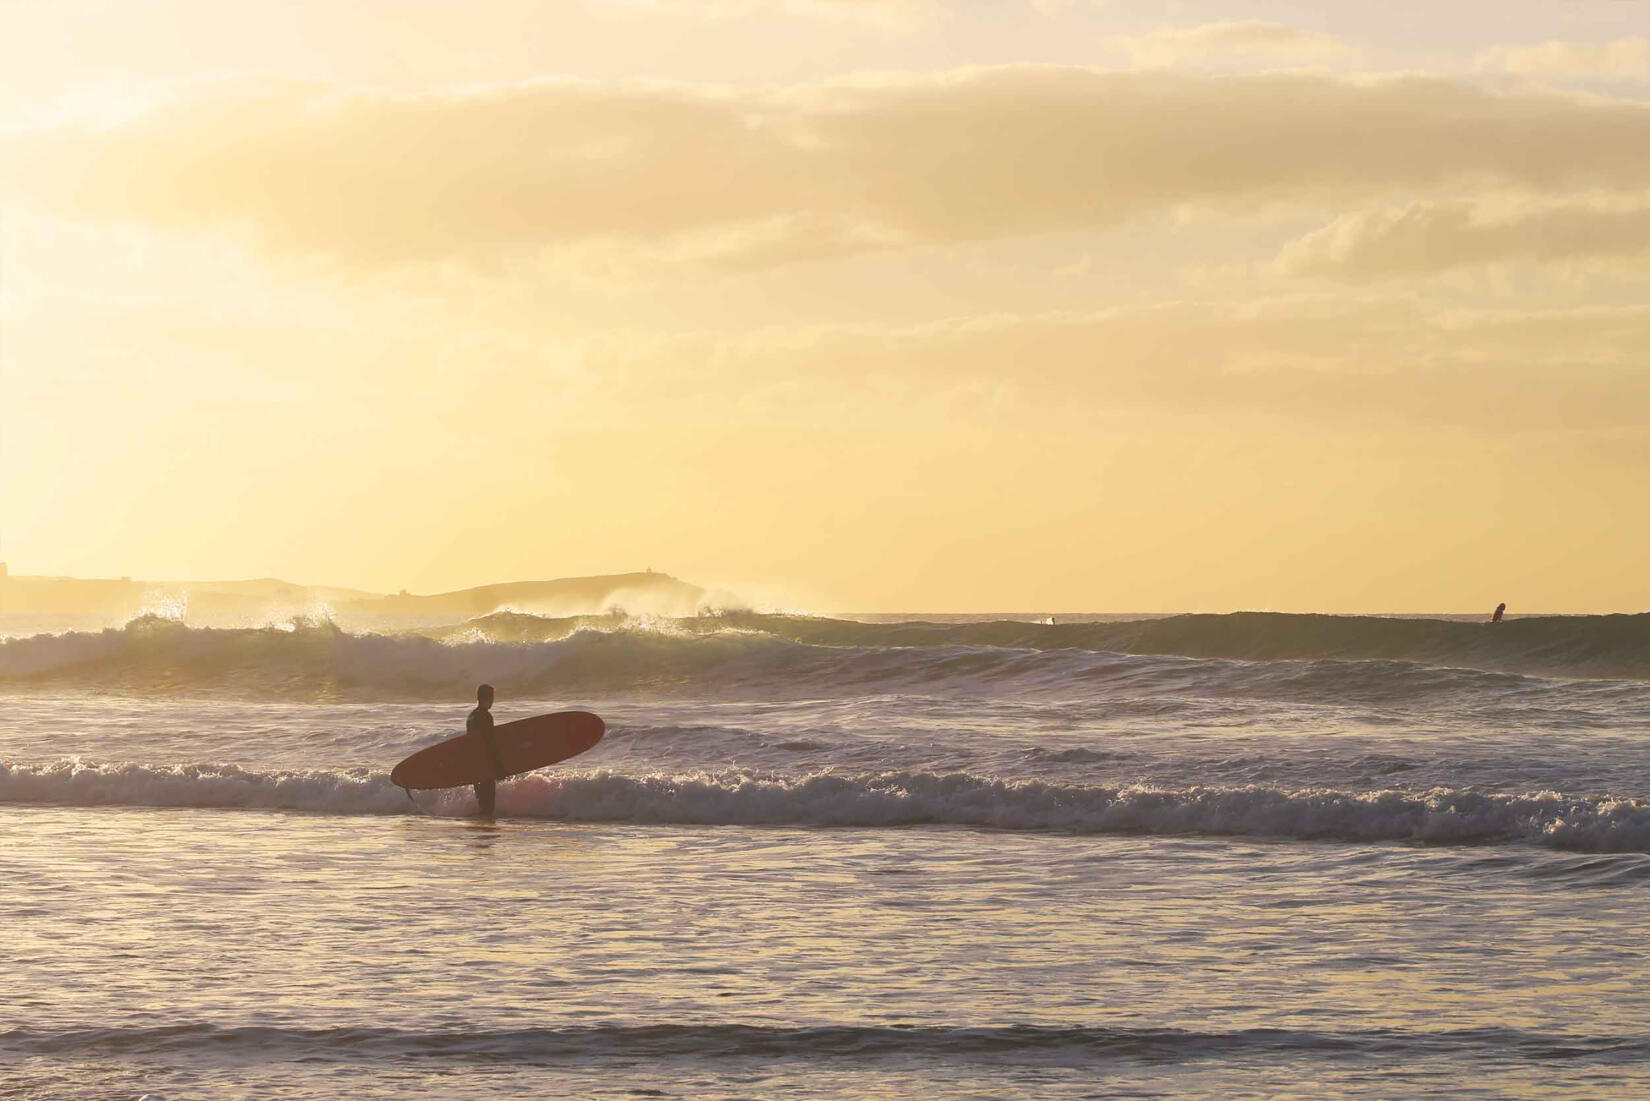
484, 695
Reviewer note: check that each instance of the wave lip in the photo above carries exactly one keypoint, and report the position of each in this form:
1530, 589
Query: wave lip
1592, 823
827, 1041
1442, 815
1573, 646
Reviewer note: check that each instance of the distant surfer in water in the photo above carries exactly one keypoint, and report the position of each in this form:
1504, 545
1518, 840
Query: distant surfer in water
480, 722
1500, 610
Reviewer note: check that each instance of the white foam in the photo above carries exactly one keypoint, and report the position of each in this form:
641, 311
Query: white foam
735, 797
79, 783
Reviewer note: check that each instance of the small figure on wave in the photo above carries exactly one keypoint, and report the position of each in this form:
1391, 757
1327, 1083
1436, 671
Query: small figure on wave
1500, 610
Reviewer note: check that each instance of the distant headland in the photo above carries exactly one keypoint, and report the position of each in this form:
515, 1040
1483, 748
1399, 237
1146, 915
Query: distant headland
206, 603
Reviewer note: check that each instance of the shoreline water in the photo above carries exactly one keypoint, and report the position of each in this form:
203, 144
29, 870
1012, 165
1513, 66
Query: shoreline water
823, 858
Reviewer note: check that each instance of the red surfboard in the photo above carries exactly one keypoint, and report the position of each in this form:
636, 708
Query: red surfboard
523, 745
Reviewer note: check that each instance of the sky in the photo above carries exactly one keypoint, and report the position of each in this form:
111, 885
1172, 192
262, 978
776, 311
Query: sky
844, 305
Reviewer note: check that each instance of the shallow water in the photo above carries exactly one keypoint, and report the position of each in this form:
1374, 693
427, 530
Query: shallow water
209, 952
993, 874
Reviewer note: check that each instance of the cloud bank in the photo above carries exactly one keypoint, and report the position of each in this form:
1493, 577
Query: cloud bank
767, 176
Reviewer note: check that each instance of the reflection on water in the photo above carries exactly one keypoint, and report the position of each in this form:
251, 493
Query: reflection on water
221, 951
482, 835
965, 872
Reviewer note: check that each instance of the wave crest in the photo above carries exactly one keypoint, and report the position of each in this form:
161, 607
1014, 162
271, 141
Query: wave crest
884, 799
766, 655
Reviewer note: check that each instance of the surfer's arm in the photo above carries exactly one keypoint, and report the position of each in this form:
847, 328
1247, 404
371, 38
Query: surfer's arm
480, 725
492, 749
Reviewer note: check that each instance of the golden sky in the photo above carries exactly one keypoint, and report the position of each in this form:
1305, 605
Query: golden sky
847, 304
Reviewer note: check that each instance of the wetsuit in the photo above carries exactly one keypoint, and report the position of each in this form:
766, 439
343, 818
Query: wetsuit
481, 722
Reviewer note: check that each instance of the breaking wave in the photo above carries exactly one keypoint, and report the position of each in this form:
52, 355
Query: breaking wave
1296, 657
736, 797
1579, 646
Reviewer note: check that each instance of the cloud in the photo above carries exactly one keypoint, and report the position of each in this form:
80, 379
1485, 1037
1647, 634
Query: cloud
1168, 46
1422, 238
889, 13
1323, 360
1623, 58
763, 176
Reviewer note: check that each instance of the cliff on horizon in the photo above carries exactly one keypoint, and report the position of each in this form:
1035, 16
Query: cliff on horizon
208, 603
658, 593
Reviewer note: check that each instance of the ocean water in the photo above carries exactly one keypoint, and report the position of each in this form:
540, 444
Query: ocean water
1195, 857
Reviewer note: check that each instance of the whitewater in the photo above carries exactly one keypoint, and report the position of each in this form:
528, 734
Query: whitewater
1189, 856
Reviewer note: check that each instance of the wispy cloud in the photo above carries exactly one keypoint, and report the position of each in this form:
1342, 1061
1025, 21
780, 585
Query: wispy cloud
902, 14
1422, 238
1622, 58
1388, 359
1169, 46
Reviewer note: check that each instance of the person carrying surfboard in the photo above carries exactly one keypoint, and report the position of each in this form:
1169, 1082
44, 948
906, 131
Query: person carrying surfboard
480, 723
485, 754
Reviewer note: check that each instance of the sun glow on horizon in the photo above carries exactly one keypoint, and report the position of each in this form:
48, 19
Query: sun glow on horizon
876, 305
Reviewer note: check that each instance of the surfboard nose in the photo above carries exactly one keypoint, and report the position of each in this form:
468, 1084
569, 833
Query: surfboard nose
588, 725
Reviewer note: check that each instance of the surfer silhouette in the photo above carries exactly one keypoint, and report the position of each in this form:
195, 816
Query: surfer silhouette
480, 723
1500, 610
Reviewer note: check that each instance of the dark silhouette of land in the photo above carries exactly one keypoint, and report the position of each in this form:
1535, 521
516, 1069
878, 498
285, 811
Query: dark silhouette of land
231, 601
563, 596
